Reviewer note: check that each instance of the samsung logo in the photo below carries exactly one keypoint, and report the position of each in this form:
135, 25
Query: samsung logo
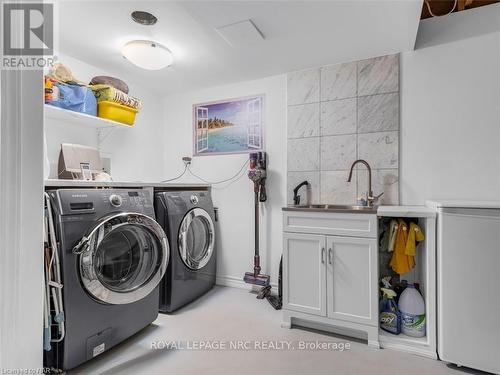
79, 195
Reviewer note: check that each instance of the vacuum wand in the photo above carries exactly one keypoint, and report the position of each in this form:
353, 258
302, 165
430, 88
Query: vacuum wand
256, 258
257, 174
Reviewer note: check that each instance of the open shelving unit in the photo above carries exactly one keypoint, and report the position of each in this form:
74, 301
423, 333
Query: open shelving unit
81, 119
424, 273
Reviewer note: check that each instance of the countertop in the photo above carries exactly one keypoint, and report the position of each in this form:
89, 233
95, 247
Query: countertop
125, 184
383, 211
406, 211
462, 204
347, 209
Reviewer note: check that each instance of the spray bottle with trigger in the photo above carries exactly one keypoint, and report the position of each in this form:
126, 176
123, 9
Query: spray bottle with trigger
390, 317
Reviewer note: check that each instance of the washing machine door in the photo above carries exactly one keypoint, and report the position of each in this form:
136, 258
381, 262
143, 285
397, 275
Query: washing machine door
196, 238
123, 258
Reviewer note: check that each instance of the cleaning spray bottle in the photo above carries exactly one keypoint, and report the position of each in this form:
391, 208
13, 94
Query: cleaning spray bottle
390, 317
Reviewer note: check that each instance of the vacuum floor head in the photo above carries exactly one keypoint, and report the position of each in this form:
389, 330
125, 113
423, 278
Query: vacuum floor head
251, 278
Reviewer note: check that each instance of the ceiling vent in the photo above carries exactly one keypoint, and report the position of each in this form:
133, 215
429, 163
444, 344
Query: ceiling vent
241, 33
143, 18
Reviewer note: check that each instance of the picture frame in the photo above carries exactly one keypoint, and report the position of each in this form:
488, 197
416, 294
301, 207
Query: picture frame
229, 126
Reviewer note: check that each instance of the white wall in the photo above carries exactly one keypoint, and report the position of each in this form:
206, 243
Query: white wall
235, 251
21, 222
450, 108
135, 152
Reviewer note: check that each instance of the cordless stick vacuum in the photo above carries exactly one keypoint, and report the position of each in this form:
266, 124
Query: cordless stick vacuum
257, 173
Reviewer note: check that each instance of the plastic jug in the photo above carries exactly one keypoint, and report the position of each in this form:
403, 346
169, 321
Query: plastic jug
412, 308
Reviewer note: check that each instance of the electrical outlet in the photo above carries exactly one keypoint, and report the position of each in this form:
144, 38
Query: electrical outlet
186, 160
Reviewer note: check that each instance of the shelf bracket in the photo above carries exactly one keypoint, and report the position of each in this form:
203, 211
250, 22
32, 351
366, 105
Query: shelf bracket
102, 135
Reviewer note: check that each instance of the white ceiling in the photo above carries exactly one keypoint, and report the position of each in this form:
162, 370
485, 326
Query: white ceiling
298, 35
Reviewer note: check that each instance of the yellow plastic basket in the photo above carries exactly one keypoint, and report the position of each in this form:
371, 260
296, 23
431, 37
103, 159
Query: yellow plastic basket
116, 112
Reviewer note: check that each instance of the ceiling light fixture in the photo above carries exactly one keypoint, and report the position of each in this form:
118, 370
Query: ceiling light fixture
147, 54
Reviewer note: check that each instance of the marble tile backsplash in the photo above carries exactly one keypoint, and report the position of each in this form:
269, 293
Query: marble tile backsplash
338, 117
303, 87
340, 113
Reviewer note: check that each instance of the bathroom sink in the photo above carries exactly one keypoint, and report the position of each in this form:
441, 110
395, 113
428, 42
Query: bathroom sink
332, 208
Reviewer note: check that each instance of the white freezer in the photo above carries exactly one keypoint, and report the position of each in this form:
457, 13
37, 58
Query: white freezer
468, 284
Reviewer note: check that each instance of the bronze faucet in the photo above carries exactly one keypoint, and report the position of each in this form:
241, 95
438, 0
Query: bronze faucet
296, 196
370, 199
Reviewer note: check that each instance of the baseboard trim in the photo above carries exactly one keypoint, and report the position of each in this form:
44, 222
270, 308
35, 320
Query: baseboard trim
236, 282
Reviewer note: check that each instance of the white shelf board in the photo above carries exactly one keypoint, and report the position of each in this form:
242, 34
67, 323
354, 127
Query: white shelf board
406, 211
415, 345
121, 184
82, 119
402, 338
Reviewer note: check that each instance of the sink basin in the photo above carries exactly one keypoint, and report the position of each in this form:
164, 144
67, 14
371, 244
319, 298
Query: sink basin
332, 208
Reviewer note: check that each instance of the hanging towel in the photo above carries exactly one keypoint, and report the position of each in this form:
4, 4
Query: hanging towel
400, 262
393, 229
415, 235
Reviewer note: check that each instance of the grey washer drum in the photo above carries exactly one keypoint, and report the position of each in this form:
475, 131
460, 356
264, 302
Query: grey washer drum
196, 238
123, 258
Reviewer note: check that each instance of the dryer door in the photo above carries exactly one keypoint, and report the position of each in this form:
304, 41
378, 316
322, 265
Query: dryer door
123, 258
196, 238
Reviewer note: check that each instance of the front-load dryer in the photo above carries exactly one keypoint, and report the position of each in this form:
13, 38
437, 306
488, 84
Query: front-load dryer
188, 219
113, 255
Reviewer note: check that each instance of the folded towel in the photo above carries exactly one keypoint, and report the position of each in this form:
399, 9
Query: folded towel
111, 81
110, 94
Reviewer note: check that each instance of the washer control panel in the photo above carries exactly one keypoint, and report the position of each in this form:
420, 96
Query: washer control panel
103, 201
127, 199
115, 200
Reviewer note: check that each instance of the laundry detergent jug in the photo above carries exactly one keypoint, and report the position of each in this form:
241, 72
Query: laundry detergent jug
412, 308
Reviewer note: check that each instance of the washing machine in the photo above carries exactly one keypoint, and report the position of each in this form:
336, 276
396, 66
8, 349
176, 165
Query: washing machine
113, 255
188, 218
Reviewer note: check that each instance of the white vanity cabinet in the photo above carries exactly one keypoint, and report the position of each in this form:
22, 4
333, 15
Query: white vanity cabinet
304, 273
330, 271
351, 279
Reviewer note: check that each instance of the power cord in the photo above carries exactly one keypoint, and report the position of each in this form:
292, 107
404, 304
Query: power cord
221, 181
231, 182
179, 176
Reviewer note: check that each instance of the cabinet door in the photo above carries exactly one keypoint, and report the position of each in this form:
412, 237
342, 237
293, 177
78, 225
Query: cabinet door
352, 279
304, 273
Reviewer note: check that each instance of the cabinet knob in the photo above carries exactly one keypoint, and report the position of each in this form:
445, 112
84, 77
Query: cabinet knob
322, 255
330, 255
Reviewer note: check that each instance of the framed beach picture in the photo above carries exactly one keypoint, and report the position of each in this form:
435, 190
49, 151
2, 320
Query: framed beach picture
233, 126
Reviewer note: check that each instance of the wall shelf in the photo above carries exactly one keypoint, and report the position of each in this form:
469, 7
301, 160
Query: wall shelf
81, 119
402, 338
415, 345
